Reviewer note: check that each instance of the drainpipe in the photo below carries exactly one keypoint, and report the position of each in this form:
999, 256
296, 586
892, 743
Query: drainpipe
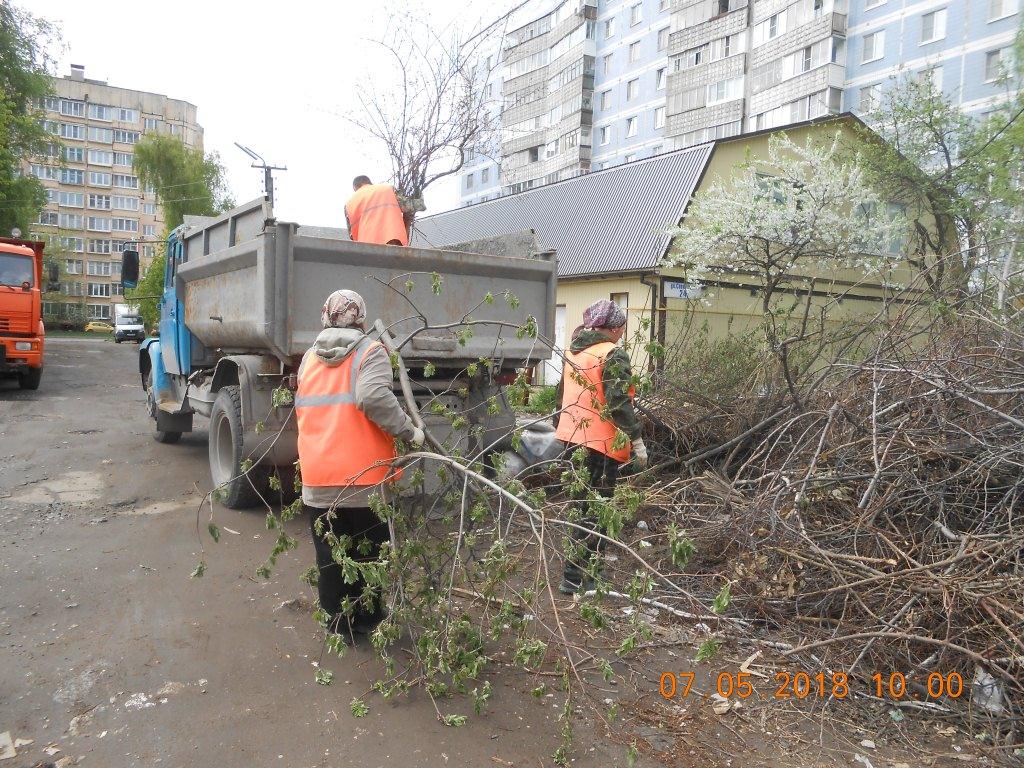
657, 308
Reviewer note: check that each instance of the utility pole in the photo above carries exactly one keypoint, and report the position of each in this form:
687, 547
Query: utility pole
268, 175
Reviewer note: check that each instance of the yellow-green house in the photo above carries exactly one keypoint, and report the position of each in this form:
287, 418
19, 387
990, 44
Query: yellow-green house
610, 230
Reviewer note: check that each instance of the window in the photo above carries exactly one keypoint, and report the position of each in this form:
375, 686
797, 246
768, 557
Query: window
128, 115
660, 77
98, 268
663, 5
609, 28
469, 181
818, 9
657, 149
773, 26
74, 154
73, 289
98, 311
868, 98
72, 131
125, 137
126, 181
629, 157
485, 175
606, 63
51, 103
632, 89
99, 202
997, 63
869, 4
663, 39
123, 158
932, 76
50, 126
659, 117
99, 178
804, 59
533, 154
606, 99
101, 157
98, 290
1000, 9
72, 108
634, 52
149, 230
100, 112
99, 224
48, 219
149, 208
104, 135
75, 244
622, 299
933, 26
73, 266
116, 289
123, 203
99, 246
71, 199
72, 176
874, 46
152, 123
631, 127
70, 221
116, 246
148, 251
636, 14
605, 135
124, 225
725, 90
44, 171
722, 6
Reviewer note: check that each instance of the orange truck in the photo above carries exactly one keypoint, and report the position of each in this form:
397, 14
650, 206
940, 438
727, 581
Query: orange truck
21, 311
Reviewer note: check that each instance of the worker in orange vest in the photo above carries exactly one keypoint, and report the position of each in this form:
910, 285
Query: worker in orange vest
374, 214
596, 395
348, 418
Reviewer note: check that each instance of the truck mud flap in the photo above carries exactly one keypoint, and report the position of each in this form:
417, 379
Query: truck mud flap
173, 422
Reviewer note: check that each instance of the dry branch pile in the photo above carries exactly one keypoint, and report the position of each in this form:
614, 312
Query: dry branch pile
876, 520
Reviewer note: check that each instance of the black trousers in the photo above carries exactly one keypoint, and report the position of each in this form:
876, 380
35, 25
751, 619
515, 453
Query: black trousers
585, 545
358, 523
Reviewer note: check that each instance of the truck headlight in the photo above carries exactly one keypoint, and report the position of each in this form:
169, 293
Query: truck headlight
23, 346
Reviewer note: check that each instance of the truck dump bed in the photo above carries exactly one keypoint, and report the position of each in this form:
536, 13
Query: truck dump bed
251, 284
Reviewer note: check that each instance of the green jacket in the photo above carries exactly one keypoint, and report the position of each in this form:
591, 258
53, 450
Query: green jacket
616, 377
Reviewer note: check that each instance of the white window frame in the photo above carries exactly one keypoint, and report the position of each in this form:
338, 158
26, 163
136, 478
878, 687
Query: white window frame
604, 135
606, 63
870, 4
661, 79
636, 14
877, 46
606, 100
659, 117
100, 112
1007, 8
98, 223
609, 28
663, 32
632, 88
632, 127
634, 52
938, 26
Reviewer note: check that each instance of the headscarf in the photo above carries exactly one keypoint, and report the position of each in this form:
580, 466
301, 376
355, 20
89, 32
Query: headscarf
343, 309
603, 314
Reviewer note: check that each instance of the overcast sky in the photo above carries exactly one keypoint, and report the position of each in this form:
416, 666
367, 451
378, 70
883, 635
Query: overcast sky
276, 76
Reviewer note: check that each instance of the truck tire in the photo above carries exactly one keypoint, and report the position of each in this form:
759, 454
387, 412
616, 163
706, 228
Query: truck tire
31, 379
226, 457
160, 436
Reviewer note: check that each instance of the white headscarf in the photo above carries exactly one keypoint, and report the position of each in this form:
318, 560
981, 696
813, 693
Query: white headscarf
343, 309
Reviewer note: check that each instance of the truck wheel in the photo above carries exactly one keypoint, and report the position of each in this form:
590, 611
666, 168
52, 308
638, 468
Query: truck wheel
31, 379
159, 435
240, 491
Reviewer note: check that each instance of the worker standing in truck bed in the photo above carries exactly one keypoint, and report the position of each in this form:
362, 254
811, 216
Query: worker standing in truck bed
374, 214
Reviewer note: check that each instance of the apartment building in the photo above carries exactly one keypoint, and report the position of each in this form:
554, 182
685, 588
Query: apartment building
966, 45
96, 204
650, 76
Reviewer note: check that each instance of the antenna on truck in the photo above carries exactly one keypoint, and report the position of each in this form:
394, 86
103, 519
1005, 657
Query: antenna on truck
268, 176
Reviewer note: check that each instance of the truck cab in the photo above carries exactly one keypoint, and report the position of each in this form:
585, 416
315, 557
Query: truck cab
21, 311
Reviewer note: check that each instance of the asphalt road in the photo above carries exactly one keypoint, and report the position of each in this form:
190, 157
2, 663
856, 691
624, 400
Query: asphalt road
112, 655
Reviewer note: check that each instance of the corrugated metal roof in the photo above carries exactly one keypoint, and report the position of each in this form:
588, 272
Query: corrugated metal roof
613, 220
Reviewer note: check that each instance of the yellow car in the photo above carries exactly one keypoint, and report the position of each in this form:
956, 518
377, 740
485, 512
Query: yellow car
98, 326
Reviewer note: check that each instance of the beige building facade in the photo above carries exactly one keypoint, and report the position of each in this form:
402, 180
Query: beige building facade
96, 204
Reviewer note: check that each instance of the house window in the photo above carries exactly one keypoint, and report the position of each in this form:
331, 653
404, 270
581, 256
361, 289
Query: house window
124, 203
933, 26
663, 39
634, 52
636, 14
469, 181
99, 178
99, 246
74, 154
657, 149
48, 219
124, 225
70, 221
606, 63
98, 290
485, 175
72, 176
125, 137
631, 127
605, 135
98, 268
103, 135
869, 4
100, 112
632, 89
149, 208
1000, 9
99, 224
73, 266
931, 76
98, 311
149, 230
996, 64
805, 59
725, 90
101, 157
99, 202
629, 157
659, 117
152, 123
606, 99
75, 244
72, 108
868, 98
609, 28
622, 299
773, 26
874, 47
128, 115
123, 158
126, 181
71, 199
72, 131
660, 77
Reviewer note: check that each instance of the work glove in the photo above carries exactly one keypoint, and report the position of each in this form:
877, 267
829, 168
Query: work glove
639, 453
418, 437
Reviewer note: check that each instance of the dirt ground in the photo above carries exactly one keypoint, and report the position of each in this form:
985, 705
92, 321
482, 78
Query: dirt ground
111, 655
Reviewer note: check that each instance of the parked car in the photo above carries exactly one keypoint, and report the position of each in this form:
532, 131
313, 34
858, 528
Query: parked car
99, 326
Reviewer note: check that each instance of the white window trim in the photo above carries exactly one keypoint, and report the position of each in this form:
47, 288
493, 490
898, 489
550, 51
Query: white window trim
870, 5
1015, 8
879, 53
937, 38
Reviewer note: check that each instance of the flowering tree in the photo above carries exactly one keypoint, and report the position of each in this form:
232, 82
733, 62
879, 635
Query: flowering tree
804, 209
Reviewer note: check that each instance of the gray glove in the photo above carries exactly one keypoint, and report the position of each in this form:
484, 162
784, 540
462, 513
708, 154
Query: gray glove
639, 453
416, 441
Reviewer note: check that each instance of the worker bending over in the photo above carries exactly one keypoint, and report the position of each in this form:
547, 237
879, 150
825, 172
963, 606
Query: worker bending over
596, 395
348, 417
374, 214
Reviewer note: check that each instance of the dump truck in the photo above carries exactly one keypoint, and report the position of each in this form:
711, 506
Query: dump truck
241, 303
22, 334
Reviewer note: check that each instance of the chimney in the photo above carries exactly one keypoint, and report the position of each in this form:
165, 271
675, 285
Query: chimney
77, 72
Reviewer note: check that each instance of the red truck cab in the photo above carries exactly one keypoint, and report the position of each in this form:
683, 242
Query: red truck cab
21, 311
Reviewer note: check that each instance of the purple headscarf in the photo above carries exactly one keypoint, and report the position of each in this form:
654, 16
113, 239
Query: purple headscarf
604, 314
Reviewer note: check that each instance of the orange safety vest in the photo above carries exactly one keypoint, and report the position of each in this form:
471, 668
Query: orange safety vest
374, 215
583, 400
338, 444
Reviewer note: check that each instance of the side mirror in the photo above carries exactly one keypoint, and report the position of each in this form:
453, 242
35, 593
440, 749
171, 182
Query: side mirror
129, 269
53, 278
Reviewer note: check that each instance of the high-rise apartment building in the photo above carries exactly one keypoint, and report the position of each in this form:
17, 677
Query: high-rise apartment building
96, 203
592, 83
